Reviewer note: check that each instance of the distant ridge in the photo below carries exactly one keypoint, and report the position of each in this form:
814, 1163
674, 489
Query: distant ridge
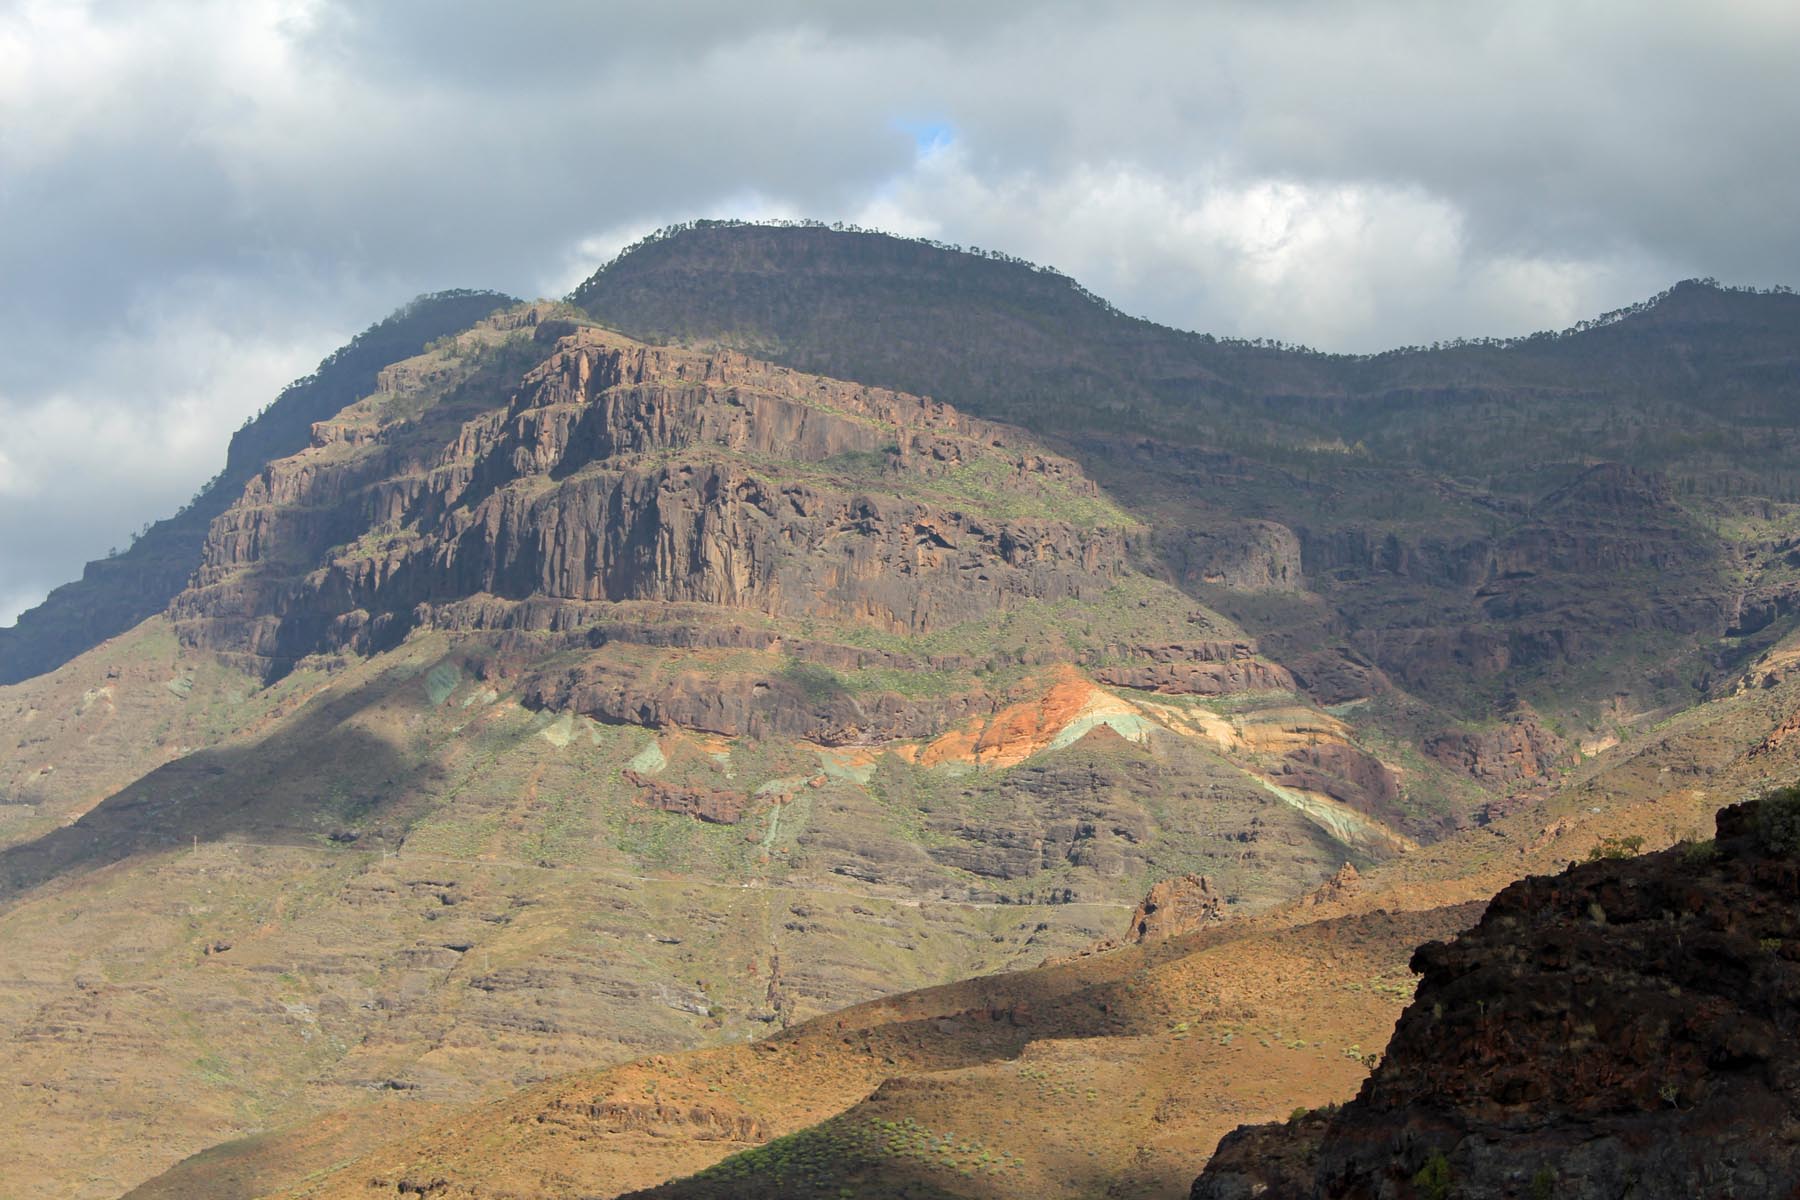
1688, 287
1402, 487
945, 320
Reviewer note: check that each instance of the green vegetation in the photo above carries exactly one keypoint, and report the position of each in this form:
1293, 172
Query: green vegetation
1700, 854
1433, 1179
1007, 339
1778, 820
1616, 847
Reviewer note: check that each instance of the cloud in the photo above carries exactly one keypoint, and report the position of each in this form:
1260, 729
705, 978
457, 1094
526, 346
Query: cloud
1356, 265
198, 196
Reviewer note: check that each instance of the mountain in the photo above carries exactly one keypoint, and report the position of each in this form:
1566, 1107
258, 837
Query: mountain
114, 594
1620, 1029
568, 699
820, 711
1594, 521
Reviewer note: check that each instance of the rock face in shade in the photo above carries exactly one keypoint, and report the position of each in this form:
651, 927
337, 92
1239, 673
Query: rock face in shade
1625, 1028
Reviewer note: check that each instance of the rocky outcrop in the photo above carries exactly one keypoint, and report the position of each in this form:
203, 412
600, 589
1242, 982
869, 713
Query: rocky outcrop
1520, 750
1199, 679
716, 806
1609, 518
1344, 884
1347, 774
1175, 906
1248, 556
1624, 1028
1204, 667
1334, 674
1458, 563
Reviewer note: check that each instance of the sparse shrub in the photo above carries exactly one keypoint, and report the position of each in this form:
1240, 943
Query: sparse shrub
1433, 1179
1543, 1184
1778, 820
1699, 854
1616, 847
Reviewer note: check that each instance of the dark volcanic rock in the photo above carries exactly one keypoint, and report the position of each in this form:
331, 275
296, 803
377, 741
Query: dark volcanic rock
1251, 556
1626, 1028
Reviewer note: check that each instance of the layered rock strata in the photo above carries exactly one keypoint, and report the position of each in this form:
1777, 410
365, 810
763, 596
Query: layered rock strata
609, 471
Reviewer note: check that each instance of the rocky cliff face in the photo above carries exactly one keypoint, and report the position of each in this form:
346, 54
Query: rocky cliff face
1624, 1028
694, 539
606, 471
1520, 749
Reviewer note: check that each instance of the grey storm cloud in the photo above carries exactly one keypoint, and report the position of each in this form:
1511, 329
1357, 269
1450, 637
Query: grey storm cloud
198, 200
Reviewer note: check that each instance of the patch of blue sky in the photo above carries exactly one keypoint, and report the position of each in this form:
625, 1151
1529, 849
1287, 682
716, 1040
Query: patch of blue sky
930, 135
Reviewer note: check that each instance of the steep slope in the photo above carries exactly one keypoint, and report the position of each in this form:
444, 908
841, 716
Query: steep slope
116, 593
568, 700
1395, 511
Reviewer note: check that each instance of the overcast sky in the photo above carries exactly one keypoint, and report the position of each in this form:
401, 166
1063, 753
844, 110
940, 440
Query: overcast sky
200, 200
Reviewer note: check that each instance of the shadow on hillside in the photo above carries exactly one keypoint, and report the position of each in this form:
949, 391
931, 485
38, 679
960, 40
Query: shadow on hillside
313, 777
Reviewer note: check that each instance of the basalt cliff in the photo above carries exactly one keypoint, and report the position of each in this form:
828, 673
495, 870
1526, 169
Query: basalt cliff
615, 473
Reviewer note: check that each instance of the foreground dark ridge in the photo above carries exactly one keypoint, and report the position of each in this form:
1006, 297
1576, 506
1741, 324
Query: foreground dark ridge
115, 593
1622, 1029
